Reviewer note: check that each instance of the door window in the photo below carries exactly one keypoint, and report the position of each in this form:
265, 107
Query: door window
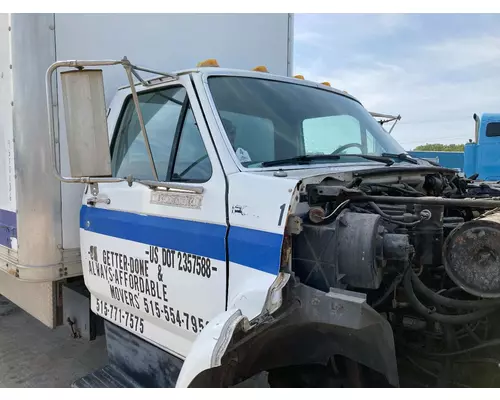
493, 129
192, 163
176, 144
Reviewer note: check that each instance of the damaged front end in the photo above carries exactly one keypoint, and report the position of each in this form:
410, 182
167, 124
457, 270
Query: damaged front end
314, 328
386, 279
336, 331
421, 246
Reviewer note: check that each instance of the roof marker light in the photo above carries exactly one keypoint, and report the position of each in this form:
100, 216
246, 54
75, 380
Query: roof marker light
260, 68
211, 62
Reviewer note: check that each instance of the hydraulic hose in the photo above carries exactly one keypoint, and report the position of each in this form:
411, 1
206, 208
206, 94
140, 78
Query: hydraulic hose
434, 316
394, 284
446, 301
484, 345
438, 201
389, 291
394, 220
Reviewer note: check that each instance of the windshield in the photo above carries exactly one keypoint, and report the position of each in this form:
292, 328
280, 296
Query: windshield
270, 120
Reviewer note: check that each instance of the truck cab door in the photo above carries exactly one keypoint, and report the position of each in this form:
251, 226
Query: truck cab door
154, 260
489, 141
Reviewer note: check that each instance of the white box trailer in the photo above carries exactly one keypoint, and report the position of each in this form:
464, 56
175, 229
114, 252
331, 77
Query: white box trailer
39, 216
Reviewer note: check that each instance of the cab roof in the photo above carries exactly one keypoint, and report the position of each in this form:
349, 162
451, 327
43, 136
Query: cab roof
217, 71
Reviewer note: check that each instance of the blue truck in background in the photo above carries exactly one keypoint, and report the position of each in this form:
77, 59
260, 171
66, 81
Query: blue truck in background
481, 157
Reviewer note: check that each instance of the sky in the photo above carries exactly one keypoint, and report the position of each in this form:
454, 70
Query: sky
435, 70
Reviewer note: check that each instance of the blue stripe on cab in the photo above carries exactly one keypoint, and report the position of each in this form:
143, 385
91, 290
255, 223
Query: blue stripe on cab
256, 249
206, 240
253, 248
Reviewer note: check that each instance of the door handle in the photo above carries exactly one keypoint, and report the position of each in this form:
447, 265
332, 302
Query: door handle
92, 201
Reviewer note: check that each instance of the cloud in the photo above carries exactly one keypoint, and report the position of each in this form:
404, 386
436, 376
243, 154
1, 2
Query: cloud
309, 38
424, 71
466, 52
389, 24
337, 32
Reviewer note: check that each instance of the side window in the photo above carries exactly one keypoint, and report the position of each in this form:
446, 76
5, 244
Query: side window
161, 110
493, 129
192, 163
326, 134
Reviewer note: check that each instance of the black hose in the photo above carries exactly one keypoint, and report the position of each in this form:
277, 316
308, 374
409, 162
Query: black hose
461, 333
388, 292
408, 190
438, 201
434, 316
430, 373
394, 284
479, 361
451, 344
491, 343
473, 334
446, 301
394, 220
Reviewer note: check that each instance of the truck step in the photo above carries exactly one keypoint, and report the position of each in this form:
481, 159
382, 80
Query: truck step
107, 377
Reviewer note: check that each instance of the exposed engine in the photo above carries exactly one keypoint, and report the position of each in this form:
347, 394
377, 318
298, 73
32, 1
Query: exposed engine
426, 252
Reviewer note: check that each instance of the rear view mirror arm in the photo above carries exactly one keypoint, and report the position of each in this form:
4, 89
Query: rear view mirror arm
130, 70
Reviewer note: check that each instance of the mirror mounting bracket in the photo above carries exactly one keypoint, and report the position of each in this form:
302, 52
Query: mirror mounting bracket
130, 70
94, 189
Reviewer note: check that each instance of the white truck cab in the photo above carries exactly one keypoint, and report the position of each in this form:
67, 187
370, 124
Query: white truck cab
223, 224
177, 256
185, 245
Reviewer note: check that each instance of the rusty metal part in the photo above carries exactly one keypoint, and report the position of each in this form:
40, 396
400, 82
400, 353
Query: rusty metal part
472, 255
317, 214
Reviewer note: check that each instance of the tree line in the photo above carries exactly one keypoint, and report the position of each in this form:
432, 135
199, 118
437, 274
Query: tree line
440, 147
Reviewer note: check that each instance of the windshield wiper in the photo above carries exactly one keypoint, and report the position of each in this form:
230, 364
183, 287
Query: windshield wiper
307, 159
401, 157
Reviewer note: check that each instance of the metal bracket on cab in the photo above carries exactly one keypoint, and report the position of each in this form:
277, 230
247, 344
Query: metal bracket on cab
92, 201
93, 88
94, 189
